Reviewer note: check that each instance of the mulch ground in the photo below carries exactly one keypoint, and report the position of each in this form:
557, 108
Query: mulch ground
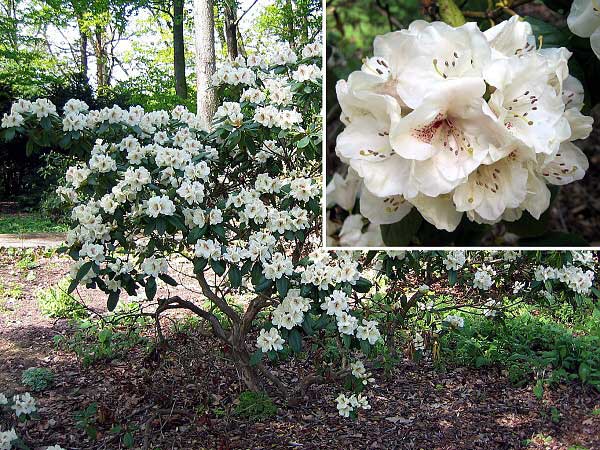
184, 396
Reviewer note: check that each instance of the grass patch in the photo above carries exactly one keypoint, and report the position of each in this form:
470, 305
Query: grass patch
255, 405
54, 302
29, 223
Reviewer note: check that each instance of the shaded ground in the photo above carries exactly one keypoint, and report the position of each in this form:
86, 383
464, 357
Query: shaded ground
184, 397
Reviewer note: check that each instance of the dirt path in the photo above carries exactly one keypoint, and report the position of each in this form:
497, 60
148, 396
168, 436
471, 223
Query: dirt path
32, 240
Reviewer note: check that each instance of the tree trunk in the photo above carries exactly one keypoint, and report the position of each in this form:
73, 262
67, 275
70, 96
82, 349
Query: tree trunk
290, 23
247, 373
101, 61
83, 47
179, 49
230, 25
204, 23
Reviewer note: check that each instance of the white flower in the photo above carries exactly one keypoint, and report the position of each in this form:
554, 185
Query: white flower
3, 399
154, 266
454, 260
353, 235
455, 321
94, 252
346, 323
483, 278
23, 404
336, 303
584, 21
6, 439
160, 205
55, 447
269, 340
453, 121
343, 405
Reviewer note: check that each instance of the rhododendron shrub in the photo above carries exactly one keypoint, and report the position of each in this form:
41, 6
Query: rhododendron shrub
449, 125
433, 292
239, 202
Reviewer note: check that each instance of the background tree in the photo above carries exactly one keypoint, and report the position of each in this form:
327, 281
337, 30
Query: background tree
204, 23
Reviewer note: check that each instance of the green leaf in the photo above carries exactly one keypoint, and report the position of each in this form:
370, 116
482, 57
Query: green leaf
150, 287
452, 276
538, 390
295, 340
161, 225
303, 142
283, 286
584, 372
347, 340
217, 267
83, 270
256, 357
365, 347
399, 234
219, 230
128, 440
199, 265
235, 276
113, 299
195, 234
168, 279
72, 286
362, 285
263, 285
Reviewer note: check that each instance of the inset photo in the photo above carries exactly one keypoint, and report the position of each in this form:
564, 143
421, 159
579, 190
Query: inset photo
459, 124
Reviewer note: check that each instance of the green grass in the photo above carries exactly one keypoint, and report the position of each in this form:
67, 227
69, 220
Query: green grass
29, 223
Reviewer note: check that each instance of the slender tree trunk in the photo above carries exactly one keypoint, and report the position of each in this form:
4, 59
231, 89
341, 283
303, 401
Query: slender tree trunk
101, 61
83, 53
290, 23
179, 49
230, 25
204, 23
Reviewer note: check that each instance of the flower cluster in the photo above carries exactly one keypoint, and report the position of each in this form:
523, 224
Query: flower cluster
347, 405
576, 278
24, 406
483, 278
455, 120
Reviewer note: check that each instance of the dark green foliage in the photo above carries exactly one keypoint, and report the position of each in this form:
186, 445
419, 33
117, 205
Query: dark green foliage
255, 406
37, 378
526, 346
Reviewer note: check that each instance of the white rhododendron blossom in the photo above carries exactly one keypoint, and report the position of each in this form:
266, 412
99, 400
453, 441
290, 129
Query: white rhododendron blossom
454, 260
23, 404
584, 21
269, 340
347, 405
576, 278
455, 321
455, 121
484, 278
7, 438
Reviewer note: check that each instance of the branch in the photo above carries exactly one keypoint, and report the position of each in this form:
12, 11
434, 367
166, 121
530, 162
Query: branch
179, 303
244, 13
495, 13
222, 304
